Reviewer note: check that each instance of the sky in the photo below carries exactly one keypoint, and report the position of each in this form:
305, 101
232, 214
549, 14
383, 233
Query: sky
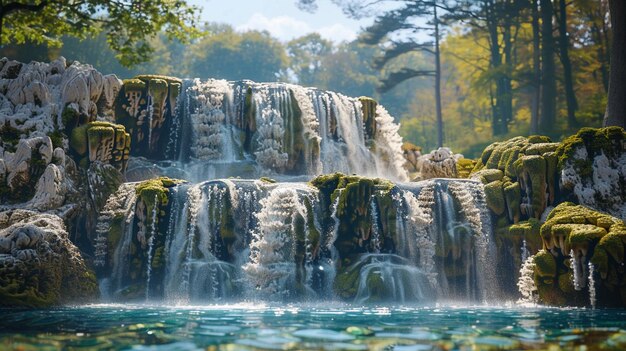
282, 18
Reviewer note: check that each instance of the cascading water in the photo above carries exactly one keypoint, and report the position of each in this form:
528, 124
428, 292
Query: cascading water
592, 286
252, 129
526, 283
232, 239
151, 238
363, 239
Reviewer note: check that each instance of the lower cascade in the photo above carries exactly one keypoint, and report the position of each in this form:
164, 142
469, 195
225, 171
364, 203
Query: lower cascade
336, 237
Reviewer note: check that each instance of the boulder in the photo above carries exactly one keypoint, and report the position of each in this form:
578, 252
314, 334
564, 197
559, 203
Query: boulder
39, 266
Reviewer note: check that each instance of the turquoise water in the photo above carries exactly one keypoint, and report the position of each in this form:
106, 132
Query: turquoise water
297, 327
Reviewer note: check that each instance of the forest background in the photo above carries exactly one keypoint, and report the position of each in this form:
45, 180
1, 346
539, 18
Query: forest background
479, 56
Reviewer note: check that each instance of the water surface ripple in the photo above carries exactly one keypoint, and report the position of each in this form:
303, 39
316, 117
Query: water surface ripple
256, 326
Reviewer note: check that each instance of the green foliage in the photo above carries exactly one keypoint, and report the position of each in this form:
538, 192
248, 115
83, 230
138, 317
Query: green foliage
224, 53
306, 55
128, 26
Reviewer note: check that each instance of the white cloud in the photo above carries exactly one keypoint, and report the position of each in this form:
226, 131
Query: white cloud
281, 27
286, 28
337, 32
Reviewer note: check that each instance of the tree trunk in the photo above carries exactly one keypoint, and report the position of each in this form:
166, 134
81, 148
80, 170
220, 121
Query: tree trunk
438, 81
548, 76
496, 62
570, 95
616, 107
507, 89
536, 84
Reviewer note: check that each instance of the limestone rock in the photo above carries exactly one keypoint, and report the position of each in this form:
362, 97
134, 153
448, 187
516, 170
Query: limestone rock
411, 155
593, 167
39, 266
440, 163
29, 174
34, 96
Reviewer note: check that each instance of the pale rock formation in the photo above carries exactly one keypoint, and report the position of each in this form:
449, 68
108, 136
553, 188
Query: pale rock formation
39, 265
603, 189
440, 163
33, 96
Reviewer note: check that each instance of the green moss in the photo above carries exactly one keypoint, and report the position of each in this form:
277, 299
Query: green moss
487, 176
495, 197
527, 229
70, 118
352, 196
154, 192
464, 167
97, 134
596, 141
267, 180
513, 198
545, 265
134, 84
57, 138
167, 79
535, 169
538, 139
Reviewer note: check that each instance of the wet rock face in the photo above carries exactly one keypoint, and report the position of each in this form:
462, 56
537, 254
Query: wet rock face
39, 266
146, 106
583, 252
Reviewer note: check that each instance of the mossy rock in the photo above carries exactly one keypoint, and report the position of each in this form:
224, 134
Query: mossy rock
154, 192
545, 265
487, 176
596, 238
134, 84
495, 197
464, 167
596, 140
352, 196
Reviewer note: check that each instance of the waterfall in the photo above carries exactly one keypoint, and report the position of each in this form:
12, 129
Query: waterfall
285, 222
577, 273
196, 199
231, 239
525, 253
375, 229
280, 129
153, 233
526, 283
592, 286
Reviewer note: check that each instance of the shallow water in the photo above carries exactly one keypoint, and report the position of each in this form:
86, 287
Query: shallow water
256, 326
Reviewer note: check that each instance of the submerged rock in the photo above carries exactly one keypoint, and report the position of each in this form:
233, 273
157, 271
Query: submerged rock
39, 266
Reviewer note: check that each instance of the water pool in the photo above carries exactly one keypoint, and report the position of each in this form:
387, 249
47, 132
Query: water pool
256, 326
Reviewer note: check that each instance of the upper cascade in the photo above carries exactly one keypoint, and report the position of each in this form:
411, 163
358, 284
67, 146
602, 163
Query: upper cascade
216, 128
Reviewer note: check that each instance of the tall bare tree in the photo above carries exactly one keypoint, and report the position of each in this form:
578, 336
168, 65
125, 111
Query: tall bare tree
616, 107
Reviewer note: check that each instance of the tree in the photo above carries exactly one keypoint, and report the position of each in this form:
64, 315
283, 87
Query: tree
564, 47
616, 107
224, 53
548, 74
128, 25
536, 75
394, 31
306, 55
